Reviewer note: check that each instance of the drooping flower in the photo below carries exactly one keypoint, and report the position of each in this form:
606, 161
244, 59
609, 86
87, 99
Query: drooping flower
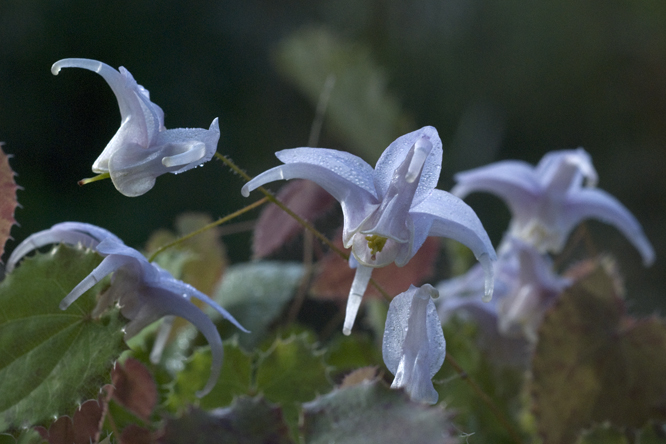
144, 291
525, 287
143, 148
549, 200
414, 347
388, 211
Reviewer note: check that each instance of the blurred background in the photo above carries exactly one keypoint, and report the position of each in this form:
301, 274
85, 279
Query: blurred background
499, 80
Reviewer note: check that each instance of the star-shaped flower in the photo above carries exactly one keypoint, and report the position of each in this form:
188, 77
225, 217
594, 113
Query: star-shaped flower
388, 211
143, 148
549, 200
414, 347
144, 291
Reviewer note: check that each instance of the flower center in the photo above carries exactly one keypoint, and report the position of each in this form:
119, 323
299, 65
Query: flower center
375, 244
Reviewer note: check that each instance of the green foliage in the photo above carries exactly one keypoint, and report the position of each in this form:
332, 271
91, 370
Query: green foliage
51, 360
292, 371
502, 383
246, 421
370, 413
256, 293
235, 379
593, 363
367, 116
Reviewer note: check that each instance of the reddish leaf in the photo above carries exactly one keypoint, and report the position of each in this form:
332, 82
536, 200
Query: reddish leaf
8, 200
246, 421
133, 434
83, 429
335, 278
275, 227
594, 363
134, 388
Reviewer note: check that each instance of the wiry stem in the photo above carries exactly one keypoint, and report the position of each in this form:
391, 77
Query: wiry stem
208, 227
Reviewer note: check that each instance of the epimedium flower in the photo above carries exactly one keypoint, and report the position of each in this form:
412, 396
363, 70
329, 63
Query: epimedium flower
143, 148
144, 291
414, 347
525, 287
549, 200
389, 211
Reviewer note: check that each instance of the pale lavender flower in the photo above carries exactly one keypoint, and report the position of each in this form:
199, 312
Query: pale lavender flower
388, 211
143, 148
549, 200
525, 287
144, 291
414, 347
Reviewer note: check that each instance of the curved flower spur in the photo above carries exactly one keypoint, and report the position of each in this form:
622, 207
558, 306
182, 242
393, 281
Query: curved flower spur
388, 211
144, 291
143, 148
549, 200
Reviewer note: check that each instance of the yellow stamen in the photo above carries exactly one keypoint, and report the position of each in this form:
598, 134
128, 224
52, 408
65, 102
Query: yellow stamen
376, 243
94, 179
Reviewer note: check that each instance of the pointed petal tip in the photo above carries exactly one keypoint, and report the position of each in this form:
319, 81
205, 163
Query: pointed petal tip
215, 126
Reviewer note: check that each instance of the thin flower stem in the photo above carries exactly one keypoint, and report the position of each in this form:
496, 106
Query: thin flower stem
284, 208
485, 398
208, 227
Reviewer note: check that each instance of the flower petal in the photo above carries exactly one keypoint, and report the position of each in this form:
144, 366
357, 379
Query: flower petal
395, 154
444, 215
346, 177
511, 180
413, 346
597, 204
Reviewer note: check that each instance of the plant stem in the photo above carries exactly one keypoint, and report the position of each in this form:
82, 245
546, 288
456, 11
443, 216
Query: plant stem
208, 227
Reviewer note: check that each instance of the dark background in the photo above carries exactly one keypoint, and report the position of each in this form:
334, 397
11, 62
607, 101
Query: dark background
511, 79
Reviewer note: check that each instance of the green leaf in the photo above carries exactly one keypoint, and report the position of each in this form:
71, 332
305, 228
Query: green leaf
367, 116
255, 294
347, 353
292, 371
593, 363
52, 360
502, 383
370, 413
603, 434
235, 379
247, 421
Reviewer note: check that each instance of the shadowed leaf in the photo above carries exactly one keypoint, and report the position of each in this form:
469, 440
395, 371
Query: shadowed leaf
83, 428
51, 360
255, 294
8, 200
134, 388
246, 421
593, 363
275, 227
370, 413
367, 116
